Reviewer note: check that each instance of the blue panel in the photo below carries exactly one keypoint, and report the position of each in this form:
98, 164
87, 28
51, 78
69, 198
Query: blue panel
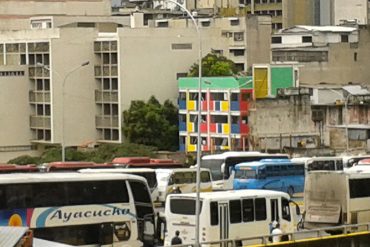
217, 105
235, 106
182, 104
219, 128
182, 147
235, 128
182, 126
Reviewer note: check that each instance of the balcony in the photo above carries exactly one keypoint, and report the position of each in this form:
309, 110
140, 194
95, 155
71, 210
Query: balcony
39, 97
40, 122
108, 122
106, 96
106, 70
38, 72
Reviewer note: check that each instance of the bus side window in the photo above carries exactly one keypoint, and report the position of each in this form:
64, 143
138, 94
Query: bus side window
248, 210
339, 165
214, 213
260, 208
285, 209
205, 177
235, 211
262, 173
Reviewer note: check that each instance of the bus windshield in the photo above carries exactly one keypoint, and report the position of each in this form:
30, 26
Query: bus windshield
215, 166
150, 177
183, 206
244, 174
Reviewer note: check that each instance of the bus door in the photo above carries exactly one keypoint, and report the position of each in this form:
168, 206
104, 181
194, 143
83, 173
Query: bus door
223, 209
274, 204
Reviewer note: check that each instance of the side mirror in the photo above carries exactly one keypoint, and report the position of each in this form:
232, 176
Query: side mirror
297, 210
170, 181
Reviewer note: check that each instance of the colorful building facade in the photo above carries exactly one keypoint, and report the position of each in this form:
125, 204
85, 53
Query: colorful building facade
225, 105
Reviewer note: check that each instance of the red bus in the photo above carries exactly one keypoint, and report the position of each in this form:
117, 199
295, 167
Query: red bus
12, 168
146, 162
71, 166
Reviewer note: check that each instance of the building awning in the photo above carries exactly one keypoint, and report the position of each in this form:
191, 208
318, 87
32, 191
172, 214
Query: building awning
356, 90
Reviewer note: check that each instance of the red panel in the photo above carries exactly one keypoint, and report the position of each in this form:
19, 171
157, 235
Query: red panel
204, 105
203, 128
244, 129
213, 128
205, 148
211, 105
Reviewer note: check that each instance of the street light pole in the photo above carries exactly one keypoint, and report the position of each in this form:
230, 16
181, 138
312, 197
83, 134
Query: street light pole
63, 84
199, 140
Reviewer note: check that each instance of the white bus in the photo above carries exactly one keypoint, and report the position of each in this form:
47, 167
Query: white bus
329, 163
147, 173
220, 165
228, 215
79, 209
181, 180
336, 198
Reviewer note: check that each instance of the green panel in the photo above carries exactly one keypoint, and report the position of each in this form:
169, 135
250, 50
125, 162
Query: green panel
216, 82
281, 77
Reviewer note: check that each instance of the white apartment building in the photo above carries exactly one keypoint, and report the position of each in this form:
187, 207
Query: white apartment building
48, 97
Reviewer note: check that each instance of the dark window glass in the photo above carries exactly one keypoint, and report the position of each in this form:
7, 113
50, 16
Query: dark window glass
214, 213
344, 38
235, 211
140, 192
205, 177
260, 207
356, 188
306, 39
285, 209
248, 210
150, 177
183, 206
276, 40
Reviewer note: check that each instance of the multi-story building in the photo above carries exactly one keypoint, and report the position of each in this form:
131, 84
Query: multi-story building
56, 100
332, 54
225, 106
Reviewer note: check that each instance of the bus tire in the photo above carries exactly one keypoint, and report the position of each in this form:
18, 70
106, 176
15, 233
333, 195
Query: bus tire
290, 191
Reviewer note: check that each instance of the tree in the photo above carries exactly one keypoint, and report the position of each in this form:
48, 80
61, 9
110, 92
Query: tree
214, 65
152, 124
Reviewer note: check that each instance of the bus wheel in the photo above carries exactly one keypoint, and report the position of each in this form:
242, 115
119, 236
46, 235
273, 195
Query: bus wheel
290, 191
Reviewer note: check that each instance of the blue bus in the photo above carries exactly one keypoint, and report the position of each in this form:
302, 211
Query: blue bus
271, 174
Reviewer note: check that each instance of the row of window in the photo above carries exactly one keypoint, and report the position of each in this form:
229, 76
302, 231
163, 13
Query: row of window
203, 23
221, 96
245, 210
13, 196
247, 2
307, 39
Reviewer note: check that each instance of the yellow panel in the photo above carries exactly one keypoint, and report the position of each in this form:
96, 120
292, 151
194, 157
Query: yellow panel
224, 106
225, 128
191, 105
190, 127
260, 79
192, 148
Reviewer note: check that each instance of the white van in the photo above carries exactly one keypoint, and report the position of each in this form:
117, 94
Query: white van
181, 180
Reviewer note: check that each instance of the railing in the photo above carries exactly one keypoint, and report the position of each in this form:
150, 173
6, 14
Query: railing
39, 97
300, 235
42, 122
106, 121
106, 97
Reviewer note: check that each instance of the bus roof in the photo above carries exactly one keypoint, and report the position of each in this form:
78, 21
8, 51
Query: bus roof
231, 194
171, 170
238, 154
322, 158
145, 161
62, 177
265, 162
116, 170
8, 168
350, 173
74, 165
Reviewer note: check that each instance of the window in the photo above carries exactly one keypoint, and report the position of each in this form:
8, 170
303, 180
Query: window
276, 40
206, 23
238, 36
355, 56
248, 210
185, 46
214, 213
237, 52
205, 177
180, 75
285, 209
344, 38
183, 206
306, 39
234, 22
260, 207
356, 188
162, 24
235, 211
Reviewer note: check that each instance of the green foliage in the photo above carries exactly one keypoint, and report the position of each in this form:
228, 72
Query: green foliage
103, 153
214, 65
25, 160
152, 124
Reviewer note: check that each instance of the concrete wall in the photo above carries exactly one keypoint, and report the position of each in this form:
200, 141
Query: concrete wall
298, 12
57, 7
350, 10
282, 122
74, 47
